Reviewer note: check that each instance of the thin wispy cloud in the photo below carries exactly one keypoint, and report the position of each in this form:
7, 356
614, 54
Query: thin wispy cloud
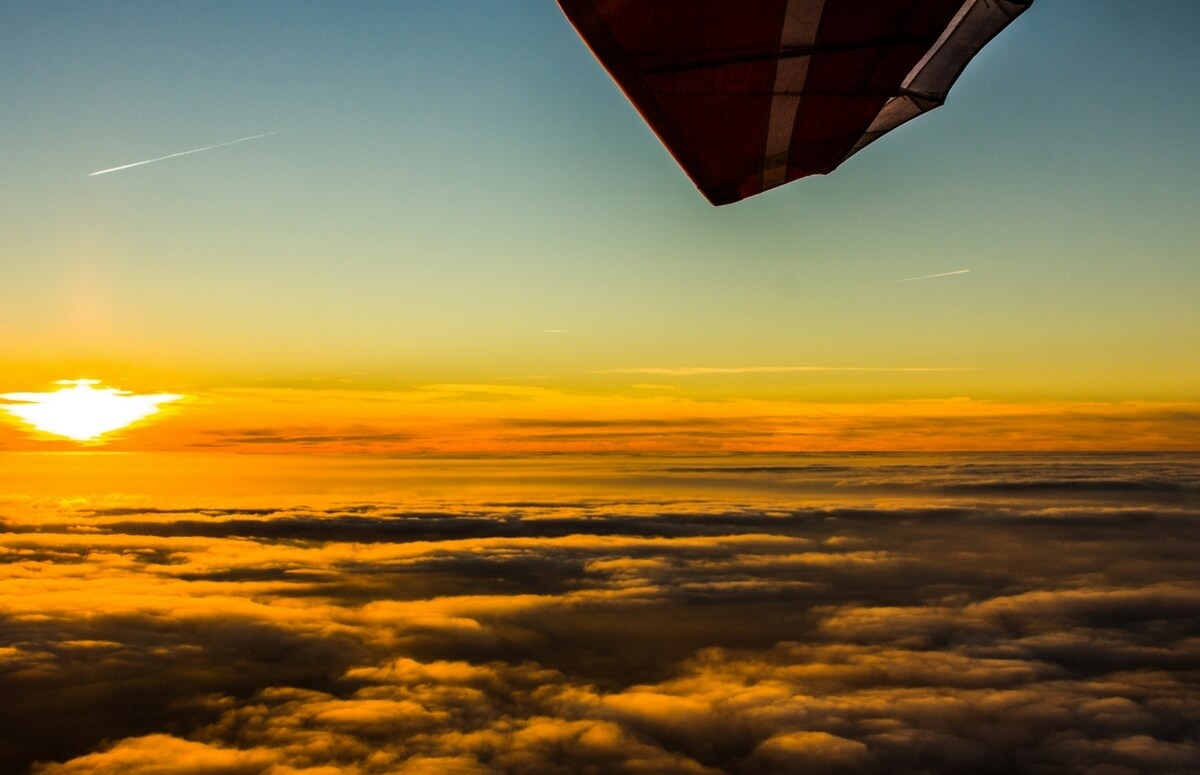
694, 371
186, 153
927, 277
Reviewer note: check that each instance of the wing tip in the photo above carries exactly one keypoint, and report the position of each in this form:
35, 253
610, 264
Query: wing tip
724, 194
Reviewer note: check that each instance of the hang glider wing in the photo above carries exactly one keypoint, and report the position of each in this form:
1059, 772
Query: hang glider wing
751, 94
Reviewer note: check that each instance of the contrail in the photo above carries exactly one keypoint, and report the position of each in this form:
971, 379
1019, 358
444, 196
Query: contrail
185, 153
926, 277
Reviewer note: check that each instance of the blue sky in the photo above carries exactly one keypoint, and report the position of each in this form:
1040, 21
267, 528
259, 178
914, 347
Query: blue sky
461, 177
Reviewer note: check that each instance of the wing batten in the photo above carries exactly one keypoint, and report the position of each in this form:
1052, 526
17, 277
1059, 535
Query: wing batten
801, 22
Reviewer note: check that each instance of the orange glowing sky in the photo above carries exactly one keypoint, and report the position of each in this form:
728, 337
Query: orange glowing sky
394, 273
518, 419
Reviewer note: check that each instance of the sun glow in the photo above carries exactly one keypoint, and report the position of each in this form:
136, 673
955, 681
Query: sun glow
81, 410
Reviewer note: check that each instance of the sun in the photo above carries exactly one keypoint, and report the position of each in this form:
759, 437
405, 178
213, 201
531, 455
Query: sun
82, 410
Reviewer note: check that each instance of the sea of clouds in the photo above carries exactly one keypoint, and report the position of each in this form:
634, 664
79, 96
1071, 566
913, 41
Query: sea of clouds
873, 614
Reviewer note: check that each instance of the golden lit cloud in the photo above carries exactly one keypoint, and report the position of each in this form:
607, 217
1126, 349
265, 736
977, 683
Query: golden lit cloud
520, 419
831, 614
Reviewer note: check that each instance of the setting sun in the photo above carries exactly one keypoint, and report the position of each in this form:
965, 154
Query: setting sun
82, 411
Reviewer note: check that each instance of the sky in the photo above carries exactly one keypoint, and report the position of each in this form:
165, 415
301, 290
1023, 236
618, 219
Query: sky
427, 420
463, 197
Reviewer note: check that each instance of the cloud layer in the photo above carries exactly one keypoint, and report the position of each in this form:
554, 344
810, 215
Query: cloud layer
817, 615
674, 414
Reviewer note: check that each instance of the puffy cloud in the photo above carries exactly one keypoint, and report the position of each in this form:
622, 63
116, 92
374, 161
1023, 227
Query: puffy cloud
812, 752
166, 755
732, 625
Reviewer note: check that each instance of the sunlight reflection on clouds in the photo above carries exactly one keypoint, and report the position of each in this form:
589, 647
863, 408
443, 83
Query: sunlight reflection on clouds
991, 630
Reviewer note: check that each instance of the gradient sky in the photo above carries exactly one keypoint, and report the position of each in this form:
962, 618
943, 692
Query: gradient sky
466, 197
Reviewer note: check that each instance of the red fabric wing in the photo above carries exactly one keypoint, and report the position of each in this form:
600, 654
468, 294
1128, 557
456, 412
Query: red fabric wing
749, 94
